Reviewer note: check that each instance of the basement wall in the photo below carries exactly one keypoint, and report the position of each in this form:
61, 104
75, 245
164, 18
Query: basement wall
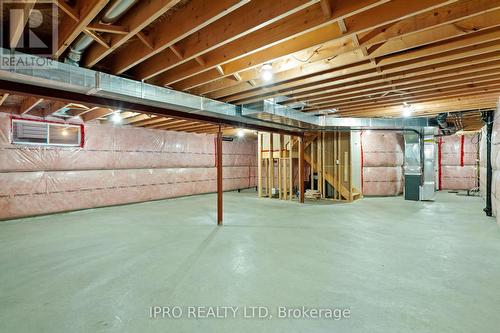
459, 162
117, 165
382, 157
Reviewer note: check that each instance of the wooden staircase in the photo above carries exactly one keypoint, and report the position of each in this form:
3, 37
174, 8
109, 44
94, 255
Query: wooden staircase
329, 178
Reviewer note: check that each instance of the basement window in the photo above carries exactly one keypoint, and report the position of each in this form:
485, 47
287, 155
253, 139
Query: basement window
30, 132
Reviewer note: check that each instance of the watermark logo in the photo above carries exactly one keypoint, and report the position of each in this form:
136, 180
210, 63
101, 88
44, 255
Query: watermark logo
28, 34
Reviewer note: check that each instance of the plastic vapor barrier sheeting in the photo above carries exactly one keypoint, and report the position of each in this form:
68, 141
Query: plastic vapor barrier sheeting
383, 156
117, 165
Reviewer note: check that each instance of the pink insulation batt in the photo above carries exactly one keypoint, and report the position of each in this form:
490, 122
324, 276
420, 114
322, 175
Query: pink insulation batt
454, 151
383, 157
117, 165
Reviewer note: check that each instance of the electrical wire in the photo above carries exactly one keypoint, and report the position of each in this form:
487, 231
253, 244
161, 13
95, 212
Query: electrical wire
310, 57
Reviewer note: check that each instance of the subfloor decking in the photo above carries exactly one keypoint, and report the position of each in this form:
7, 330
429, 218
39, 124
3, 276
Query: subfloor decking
399, 266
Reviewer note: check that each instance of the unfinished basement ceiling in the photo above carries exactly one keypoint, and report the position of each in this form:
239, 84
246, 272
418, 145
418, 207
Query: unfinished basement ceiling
365, 58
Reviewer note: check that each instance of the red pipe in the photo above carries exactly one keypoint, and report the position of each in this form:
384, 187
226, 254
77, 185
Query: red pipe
440, 172
362, 162
462, 139
218, 148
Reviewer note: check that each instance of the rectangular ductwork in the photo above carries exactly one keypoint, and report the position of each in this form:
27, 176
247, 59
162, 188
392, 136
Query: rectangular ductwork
68, 78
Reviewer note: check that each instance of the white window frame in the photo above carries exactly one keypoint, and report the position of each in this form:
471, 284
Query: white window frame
48, 124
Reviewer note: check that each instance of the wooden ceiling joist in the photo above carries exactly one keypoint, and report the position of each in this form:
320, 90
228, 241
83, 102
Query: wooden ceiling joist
108, 28
243, 21
152, 121
296, 25
139, 118
3, 98
421, 22
384, 86
53, 107
491, 20
178, 125
369, 79
430, 107
429, 55
28, 105
326, 5
167, 123
186, 21
196, 127
69, 29
142, 15
413, 95
397, 106
96, 113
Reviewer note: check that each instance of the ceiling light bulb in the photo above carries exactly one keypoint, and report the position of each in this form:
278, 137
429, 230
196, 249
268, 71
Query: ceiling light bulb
64, 132
407, 111
267, 75
241, 133
116, 118
267, 72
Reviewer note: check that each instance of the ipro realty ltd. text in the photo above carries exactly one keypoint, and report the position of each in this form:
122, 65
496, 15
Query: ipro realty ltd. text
249, 312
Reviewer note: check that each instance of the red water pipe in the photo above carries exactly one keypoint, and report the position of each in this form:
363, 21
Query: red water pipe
462, 139
440, 172
362, 162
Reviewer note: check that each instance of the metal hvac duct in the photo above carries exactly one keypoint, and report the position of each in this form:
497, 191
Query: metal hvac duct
67, 78
111, 15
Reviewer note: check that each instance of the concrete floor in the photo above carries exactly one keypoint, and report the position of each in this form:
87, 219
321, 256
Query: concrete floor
398, 266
